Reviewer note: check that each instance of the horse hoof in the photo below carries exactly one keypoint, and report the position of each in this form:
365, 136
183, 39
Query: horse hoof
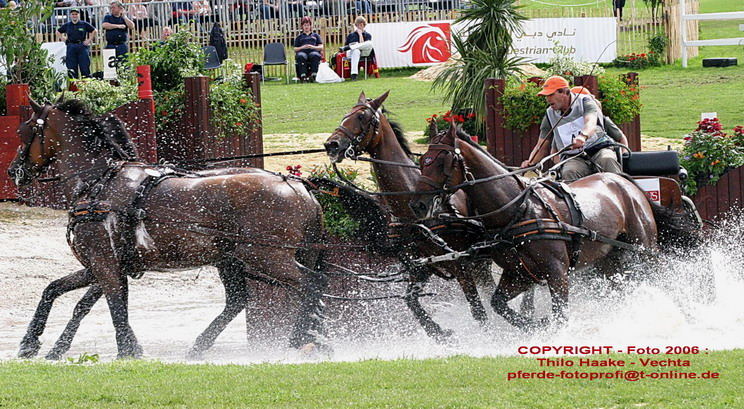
29, 348
316, 349
134, 352
443, 336
194, 355
53, 356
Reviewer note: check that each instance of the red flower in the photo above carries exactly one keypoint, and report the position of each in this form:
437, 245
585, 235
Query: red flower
471, 115
243, 101
238, 124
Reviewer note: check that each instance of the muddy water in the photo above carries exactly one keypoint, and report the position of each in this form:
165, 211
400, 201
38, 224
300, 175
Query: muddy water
168, 310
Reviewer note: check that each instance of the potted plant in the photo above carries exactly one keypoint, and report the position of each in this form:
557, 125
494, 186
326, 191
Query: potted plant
22, 60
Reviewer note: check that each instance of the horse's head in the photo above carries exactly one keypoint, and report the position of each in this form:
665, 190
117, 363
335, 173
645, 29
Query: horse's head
358, 129
40, 140
442, 166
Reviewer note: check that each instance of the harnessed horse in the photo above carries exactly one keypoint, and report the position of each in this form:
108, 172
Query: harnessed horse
367, 129
540, 230
129, 217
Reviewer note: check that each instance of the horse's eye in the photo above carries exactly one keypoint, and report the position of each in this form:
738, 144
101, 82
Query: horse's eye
360, 116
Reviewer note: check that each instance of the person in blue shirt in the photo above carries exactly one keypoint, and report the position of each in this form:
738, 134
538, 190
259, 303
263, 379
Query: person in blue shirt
307, 47
116, 25
78, 35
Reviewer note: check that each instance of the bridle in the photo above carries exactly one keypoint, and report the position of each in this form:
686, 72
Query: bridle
452, 159
37, 131
362, 140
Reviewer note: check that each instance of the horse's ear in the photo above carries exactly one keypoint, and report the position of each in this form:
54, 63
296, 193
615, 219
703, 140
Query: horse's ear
433, 129
452, 132
35, 106
362, 98
377, 102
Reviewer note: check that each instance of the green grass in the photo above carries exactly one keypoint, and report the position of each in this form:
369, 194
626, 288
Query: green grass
458, 382
317, 108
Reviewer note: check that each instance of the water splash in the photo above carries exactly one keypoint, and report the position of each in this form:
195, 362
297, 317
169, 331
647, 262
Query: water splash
168, 310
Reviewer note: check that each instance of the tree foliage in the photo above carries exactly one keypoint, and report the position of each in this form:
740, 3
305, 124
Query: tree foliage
483, 49
21, 56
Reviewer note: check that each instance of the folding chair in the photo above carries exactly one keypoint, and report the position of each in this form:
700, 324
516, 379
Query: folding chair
212, 60
274, 54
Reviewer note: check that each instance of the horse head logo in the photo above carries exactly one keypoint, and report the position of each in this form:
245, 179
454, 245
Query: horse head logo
429, 43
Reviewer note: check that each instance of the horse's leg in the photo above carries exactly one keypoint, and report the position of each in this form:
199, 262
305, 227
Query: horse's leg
308, 328
510, 285
30, 344
527, 307
114, 283
419, 277
471, 295
236, 297
82, 309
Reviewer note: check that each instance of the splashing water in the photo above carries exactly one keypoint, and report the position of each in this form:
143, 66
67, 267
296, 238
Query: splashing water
168, 310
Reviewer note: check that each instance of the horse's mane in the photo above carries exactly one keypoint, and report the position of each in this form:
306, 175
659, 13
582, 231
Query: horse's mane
104, 129
399, 133
465, 137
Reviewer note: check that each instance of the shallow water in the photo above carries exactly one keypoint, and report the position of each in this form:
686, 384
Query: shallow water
168, 310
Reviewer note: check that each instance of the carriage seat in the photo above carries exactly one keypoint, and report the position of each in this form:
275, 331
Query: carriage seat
653, 163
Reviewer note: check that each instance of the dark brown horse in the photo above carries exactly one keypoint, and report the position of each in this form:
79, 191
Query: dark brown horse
123, 224
533, 220
366, 129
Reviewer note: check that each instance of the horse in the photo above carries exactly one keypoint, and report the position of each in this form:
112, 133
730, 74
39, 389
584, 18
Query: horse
128, 217
366, 128
535, 228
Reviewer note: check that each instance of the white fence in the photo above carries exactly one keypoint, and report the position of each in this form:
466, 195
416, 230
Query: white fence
737, 15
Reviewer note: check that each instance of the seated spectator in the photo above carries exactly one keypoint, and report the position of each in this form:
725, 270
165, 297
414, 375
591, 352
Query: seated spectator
361, 6
358, 44
140, 16
165, 35
308, 47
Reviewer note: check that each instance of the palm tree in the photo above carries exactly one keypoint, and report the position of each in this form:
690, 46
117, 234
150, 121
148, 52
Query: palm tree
483, 49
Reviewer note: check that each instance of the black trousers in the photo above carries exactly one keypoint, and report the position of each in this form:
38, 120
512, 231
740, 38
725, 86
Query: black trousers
307, 63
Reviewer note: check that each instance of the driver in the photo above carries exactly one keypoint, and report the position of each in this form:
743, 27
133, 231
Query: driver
577, 122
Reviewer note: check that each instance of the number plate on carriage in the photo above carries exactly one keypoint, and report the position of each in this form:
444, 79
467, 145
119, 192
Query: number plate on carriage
652, 189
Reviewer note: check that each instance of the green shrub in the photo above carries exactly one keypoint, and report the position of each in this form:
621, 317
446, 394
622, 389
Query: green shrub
335, 218
102, 96
522, 106
232, 108
567, 67
620, 100
709, 152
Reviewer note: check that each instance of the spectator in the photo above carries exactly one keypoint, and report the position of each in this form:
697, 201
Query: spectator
362, 6
268, 9
183, 12
308, 47
140, 16
202, 11
165, 35
358, 43
116, 25
78, 35
617, 7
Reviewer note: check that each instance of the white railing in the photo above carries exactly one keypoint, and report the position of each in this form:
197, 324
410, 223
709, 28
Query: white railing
736, 15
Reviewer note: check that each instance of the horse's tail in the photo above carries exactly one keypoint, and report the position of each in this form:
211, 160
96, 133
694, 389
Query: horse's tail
675, 230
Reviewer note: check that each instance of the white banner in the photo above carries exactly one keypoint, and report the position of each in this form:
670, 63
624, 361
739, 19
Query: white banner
411, 44
58, 52
582, 39
651, 187
426, 43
